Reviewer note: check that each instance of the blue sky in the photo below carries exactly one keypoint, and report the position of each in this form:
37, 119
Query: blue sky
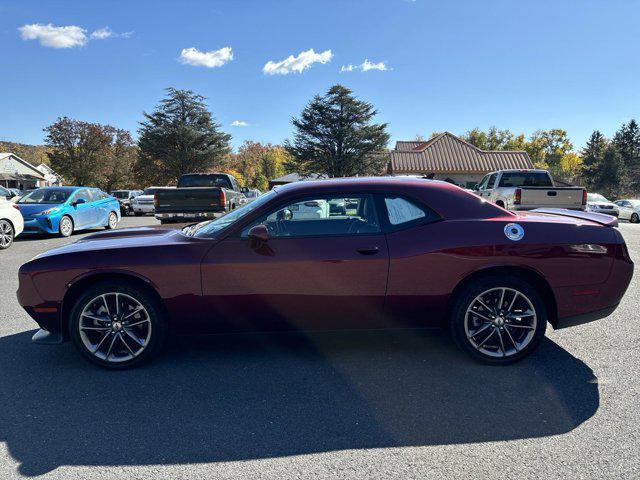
451, 65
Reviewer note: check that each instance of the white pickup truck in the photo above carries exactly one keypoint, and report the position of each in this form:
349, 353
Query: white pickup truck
529, 189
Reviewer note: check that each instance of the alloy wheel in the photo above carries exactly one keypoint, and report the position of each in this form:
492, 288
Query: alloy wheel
66, 226
6, 234
500, 322
115, 327
113, 220
634, 218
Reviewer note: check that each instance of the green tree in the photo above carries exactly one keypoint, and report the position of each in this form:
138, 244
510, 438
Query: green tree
77, 150
614, 179
593, 160
335, 136
627, 142
179, 137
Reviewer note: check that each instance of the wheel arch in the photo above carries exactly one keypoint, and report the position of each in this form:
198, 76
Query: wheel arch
534, 278
80, 284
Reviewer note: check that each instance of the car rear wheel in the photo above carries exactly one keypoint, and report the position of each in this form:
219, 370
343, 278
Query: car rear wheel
7, 234
634, 218
112, 222
498, 320
65, 228
117, 326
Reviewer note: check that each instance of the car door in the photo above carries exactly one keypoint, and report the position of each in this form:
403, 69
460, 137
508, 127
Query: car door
626, 209
83, 213
316, 271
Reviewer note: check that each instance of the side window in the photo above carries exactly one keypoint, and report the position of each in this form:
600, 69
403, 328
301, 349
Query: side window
84, 194
322, 216
402, 211
491, 182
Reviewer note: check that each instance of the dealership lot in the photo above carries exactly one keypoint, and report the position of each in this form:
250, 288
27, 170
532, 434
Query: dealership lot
369, 405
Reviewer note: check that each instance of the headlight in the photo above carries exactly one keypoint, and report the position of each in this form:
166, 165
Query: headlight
50, 211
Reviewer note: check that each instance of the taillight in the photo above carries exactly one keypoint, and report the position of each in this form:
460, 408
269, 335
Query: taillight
584, 197
517, 197
155, 200
222, 198
16, 207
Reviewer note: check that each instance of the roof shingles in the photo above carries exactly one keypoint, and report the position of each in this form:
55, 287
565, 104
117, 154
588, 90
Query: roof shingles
446, 153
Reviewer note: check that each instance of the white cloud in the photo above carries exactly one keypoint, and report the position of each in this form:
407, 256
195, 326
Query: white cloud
69, 36
55, 37
211, 59
102, 34
298, 64
239, 123
365, 67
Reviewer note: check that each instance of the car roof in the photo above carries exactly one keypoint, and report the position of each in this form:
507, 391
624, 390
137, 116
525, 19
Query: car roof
67, 189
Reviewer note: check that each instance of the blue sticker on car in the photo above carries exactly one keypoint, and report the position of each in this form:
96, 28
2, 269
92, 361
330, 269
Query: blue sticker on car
514, 231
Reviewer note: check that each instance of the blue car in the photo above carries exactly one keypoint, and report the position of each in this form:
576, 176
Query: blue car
63, 210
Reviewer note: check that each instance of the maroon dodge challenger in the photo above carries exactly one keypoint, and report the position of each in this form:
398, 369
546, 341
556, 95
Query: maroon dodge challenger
337, 254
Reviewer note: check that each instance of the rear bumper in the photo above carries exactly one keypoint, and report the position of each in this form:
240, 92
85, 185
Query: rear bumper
585, 317
144, 208
189, 215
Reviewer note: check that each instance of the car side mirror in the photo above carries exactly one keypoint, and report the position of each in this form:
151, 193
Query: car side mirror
244, 190
476, 187
258, 234
79, 201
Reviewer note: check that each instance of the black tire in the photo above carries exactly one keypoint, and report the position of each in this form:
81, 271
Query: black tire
466, 300
152, 309
634, 218
111, 224
62, 229
7, 234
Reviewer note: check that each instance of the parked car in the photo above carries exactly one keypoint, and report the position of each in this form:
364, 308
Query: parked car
599, 204
143, 203
198, 196
11, 224
629, 209
6, 194
125, 197
528, 190
412, 253
251, 193
63, 210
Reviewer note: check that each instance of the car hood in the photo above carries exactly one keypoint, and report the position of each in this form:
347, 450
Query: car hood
121, 239
33, 209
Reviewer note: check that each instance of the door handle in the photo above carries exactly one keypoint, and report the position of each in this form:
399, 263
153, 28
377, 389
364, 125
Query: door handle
368, 251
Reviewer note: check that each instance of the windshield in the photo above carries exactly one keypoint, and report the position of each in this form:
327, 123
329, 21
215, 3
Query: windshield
48, 196
120, 195
150, 191
525, 179
191, 181
596, 197
206, 229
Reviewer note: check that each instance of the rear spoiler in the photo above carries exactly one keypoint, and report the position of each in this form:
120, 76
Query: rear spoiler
601, 218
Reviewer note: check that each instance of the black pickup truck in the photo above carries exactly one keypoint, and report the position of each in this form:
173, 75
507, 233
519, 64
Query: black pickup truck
198, 196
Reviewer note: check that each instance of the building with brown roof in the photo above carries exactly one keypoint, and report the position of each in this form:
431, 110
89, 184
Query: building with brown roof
447, 157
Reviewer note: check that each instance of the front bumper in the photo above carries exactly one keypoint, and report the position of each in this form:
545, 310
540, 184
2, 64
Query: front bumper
606, 211
40, 225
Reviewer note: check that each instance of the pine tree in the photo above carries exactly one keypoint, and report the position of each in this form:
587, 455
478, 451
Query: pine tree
179, 137
627, 143
592, 159
334, 136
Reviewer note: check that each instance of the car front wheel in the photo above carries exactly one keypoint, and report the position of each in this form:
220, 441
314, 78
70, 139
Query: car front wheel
116, 325
498, 320
6, 234
634, 218
66, 226
112, 222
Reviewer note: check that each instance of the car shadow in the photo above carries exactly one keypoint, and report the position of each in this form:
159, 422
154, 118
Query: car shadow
241, 397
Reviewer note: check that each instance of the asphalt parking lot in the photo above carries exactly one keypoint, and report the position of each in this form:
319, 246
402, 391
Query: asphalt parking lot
349, 405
